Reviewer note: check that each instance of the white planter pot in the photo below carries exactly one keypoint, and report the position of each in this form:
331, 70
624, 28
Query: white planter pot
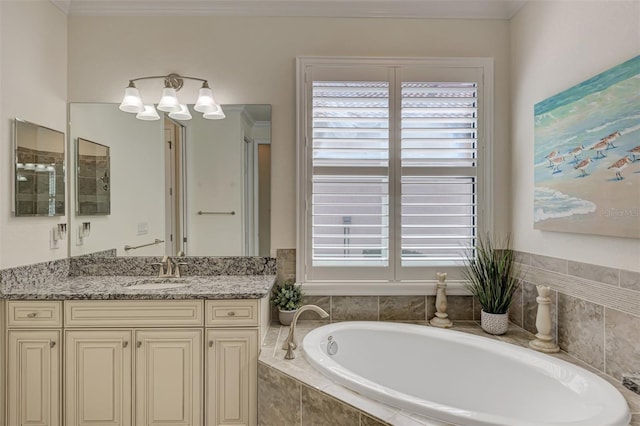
285, 317
494, 323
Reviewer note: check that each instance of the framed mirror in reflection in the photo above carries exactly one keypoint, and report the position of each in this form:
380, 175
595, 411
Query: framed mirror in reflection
93, 178
200, 186
39, 176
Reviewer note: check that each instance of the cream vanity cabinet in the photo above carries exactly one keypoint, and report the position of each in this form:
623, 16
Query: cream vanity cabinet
233, 335
131, 362
33, 356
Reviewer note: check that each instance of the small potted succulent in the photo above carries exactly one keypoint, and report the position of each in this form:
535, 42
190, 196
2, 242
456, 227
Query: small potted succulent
492, 277
287, 297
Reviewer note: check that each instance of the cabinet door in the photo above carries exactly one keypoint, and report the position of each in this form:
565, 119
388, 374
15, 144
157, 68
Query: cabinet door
33, 378
232, 390
168, 377
98, 377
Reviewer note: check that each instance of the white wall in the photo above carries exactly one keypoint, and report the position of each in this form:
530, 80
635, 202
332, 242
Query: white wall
252, 60
33, 87
137, 180
215, 183
555, 45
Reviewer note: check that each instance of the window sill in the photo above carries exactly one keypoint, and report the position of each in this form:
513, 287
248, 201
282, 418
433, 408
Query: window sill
381, 288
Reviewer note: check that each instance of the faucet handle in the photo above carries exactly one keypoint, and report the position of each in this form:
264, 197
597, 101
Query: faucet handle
161, 267
177, 268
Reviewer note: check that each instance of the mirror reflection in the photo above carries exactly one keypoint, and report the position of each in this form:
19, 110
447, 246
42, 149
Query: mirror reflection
200, 186
39, 170
93, 189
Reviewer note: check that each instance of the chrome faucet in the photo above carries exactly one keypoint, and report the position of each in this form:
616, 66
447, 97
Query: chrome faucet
290, 344
169, 268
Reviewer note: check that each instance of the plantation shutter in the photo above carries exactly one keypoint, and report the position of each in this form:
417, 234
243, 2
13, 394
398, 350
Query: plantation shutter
393, 182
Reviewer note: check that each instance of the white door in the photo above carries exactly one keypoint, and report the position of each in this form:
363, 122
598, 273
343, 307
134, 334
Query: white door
232, 389
33, 378
168, 377
98, 377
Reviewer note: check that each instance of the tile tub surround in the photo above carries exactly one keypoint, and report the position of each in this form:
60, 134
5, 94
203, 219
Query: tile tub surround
592, 320
388, 308
283, 384
595, 310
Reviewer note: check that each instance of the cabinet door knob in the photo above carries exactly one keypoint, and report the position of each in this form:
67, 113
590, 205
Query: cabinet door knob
125, 344
138, 344
52, 344
31, 315
231, 313
210, 343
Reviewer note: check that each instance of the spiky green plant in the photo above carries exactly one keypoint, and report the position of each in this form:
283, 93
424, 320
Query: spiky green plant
492, 275
287, 296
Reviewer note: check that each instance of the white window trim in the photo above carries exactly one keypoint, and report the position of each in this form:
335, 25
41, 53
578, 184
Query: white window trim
485, 172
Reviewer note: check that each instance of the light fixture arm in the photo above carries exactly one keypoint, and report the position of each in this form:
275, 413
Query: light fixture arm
173, 80
205, 103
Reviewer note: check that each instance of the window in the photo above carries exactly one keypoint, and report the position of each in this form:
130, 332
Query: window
391, 164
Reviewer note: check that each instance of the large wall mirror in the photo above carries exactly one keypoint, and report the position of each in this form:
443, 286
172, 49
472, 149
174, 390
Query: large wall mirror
39, 170
201, 186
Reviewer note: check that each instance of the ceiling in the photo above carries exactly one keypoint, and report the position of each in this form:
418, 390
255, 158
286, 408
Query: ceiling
440, 9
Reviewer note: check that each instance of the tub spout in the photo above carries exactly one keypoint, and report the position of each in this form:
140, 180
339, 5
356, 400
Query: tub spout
290, 343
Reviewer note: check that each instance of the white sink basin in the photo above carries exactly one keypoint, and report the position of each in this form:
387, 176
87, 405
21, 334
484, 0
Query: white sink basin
159, 284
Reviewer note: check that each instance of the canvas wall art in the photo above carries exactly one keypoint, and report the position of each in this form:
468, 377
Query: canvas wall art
587, 156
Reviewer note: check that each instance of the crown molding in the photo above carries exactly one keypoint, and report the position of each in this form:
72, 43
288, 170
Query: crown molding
437, 9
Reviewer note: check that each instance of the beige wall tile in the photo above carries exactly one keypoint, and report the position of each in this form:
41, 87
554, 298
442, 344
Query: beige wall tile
581, 329
592, 272
354, 308
278, 398
322, 410
550, 263
402, 308
458, 307
622, 343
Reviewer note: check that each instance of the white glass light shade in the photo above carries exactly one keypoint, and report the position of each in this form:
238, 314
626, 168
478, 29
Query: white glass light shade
149, 114
169, 101
206, 102
131, 101
216, 114
183, 114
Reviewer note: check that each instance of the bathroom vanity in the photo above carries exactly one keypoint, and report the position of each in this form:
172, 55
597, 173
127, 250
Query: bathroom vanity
118, 350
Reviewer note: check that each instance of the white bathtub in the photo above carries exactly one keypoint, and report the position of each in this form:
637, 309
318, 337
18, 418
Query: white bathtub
463, 379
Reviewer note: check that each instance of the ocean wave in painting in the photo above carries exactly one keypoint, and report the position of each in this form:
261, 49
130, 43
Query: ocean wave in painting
550, 204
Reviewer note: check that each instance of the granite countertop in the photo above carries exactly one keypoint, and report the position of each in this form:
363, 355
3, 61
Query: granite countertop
120, 287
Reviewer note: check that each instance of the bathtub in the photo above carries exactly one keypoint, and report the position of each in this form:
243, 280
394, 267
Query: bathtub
460, 378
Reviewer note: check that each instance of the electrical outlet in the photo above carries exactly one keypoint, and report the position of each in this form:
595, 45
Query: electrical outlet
53, 242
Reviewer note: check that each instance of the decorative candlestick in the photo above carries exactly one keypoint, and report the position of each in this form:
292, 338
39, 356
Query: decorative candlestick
442, 318
544, 339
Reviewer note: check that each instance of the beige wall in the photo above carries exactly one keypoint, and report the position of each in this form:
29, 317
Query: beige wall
555, 45
252, 60
33, 87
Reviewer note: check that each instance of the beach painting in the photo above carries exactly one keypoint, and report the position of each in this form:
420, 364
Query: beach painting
587, 156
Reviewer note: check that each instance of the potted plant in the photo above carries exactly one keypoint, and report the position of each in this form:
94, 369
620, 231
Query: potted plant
492, 277
287, 297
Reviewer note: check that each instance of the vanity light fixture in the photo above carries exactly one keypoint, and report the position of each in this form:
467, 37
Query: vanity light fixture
206, 104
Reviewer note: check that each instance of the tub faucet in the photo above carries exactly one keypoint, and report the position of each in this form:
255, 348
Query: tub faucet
290, 344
